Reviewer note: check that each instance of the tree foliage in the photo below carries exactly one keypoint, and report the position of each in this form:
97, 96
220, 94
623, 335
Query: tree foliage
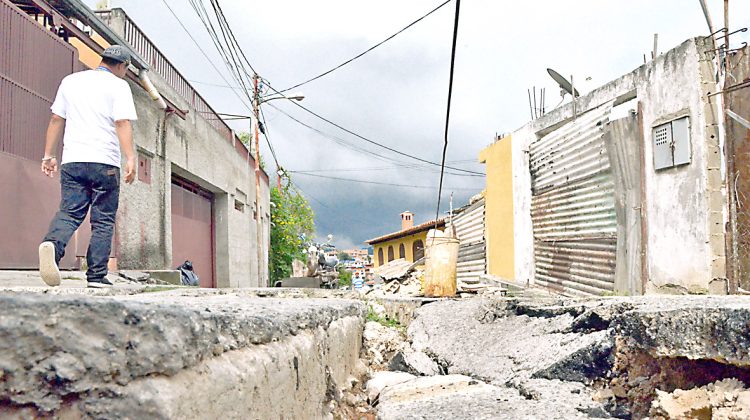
345, 277
292, 219
247, 139
343, 256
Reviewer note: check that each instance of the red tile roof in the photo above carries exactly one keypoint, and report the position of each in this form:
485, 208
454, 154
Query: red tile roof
406, 232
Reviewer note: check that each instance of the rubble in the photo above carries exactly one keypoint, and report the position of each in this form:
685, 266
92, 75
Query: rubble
380, 343
723, 400
414, 362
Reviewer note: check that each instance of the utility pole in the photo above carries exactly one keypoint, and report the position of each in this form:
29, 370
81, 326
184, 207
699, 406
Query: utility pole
259, 224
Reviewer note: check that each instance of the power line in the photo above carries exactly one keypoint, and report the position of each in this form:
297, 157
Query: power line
367, 50
268, 140
376, 168
361, 181
205, 19
376, 143
350, 146
448, 112
210, 61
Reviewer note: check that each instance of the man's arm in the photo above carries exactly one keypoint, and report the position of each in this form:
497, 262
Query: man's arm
54, 132
125, 134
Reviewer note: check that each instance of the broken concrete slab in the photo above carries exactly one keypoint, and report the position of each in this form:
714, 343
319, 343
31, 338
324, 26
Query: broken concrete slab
382, 379
696, 327
395, 269
461, 397
483, 339
414, 362
139, 355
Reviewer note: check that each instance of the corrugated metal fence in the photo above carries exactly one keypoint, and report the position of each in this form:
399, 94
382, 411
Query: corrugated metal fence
573, 207
472, 261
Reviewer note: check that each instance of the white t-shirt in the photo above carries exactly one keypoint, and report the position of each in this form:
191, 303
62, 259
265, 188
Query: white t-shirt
91, 101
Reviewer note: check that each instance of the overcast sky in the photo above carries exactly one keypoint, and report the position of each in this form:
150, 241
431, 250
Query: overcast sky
397, 94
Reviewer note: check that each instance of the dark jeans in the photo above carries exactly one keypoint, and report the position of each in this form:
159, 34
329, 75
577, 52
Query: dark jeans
85, 185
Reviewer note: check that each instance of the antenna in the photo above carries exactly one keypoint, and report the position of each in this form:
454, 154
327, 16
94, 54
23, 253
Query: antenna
564, 84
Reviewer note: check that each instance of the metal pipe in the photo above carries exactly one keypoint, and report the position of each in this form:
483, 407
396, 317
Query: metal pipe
707, 14
151, 89
644, 220
85, 15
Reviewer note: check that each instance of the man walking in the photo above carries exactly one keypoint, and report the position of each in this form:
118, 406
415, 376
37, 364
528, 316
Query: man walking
94, 109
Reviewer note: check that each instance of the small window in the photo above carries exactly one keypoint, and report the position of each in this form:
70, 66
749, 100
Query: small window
401, 251
239, 206
380, 256
144, 168
390, 253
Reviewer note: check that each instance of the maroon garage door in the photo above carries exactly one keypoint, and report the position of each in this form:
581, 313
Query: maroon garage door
33, 61
192, 229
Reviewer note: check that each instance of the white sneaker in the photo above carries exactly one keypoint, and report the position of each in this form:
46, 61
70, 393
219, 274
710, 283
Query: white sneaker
47, 265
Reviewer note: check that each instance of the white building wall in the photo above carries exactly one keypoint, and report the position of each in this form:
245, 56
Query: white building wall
684, 205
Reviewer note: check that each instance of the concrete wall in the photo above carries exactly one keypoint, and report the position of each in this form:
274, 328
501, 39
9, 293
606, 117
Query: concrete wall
192, 149
684, 205
499, 224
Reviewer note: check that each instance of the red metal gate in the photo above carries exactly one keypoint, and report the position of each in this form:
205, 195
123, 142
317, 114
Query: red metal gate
193, 229
33, 61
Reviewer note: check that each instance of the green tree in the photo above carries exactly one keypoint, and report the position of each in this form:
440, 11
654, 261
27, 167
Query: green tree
345, 277
343, 256
291, 218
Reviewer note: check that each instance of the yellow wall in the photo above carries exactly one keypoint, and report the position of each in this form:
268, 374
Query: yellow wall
408, 242
86, 55
499, 208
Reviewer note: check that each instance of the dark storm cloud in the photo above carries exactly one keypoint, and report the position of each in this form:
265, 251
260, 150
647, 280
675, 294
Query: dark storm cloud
397, 94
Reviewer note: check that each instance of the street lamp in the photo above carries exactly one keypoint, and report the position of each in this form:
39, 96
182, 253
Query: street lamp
297, 96
257, 100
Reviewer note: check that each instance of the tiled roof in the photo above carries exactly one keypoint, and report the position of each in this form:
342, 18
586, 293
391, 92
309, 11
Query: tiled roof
406, 232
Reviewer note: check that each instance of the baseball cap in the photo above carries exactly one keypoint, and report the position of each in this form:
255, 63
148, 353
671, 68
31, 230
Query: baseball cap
118, 53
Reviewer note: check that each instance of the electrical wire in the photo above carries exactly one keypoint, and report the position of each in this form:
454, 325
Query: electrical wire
448, 112
398, 152
202, 13
361, 181
210, 61
221, 18
367, 50
268, 140
350, 146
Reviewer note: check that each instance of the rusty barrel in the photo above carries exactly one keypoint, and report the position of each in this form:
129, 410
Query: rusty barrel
441, 260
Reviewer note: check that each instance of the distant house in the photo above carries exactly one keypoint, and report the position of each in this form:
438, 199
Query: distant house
407, 243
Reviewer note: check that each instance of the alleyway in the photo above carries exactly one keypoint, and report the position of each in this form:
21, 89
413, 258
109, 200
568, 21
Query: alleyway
187, 353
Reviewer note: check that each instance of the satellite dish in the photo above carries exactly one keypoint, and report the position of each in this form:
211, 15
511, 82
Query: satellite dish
565, 85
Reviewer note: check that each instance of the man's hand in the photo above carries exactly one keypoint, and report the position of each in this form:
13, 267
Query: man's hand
49, 166
130, 171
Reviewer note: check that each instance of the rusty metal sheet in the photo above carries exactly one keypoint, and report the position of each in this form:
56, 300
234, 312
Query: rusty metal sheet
573, 207
584, 267
572, 152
